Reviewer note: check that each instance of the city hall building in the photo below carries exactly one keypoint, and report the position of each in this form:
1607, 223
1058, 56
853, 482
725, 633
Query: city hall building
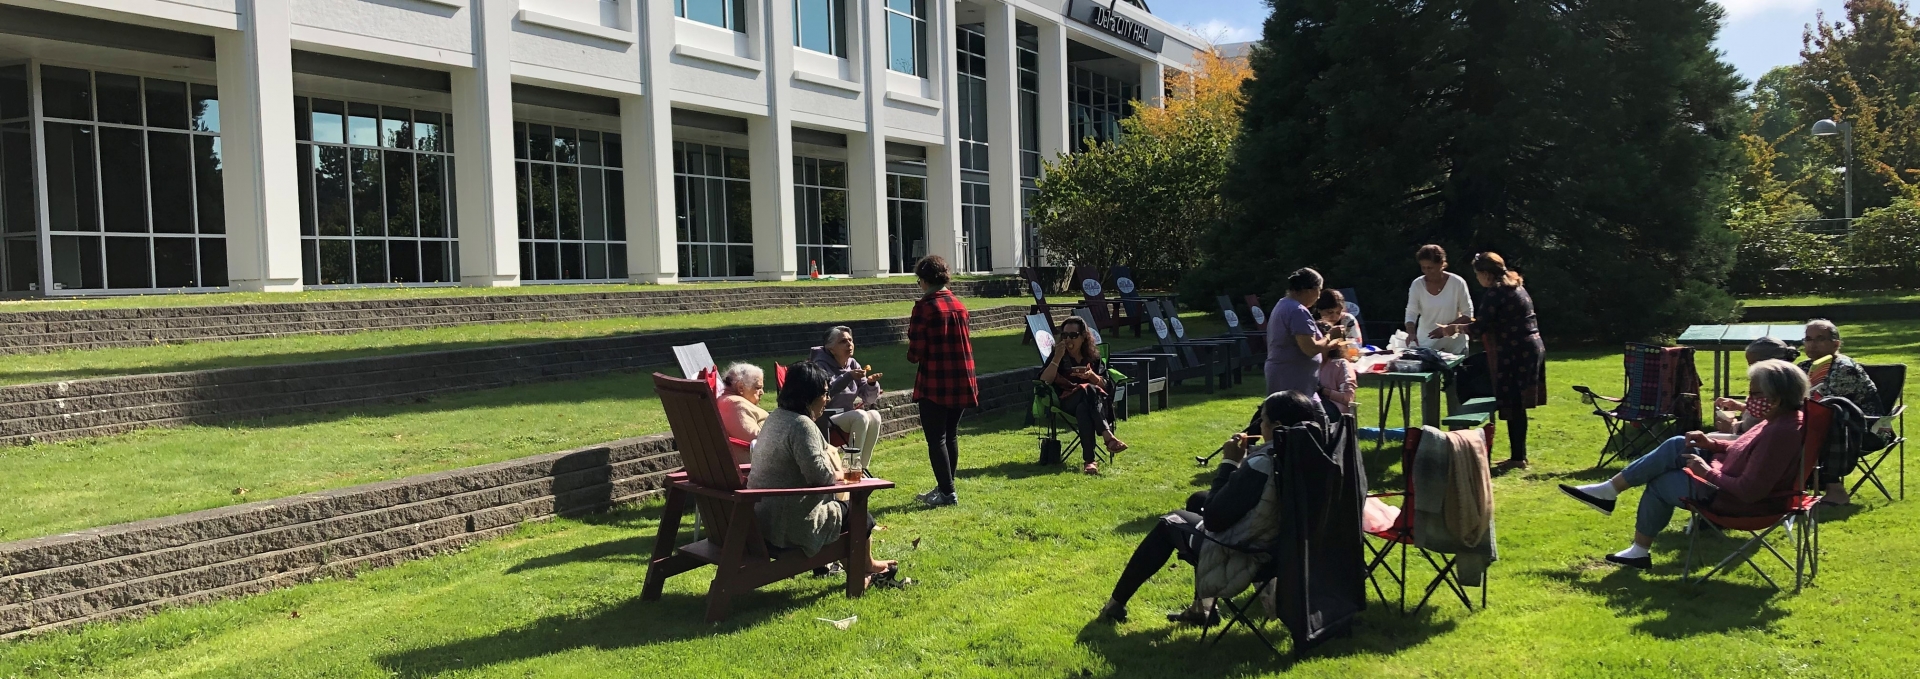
195, 145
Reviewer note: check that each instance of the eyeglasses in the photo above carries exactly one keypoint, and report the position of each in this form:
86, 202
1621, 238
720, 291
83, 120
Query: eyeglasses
1070, 335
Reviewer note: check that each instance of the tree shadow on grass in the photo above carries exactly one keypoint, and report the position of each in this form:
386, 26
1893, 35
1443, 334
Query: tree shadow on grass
1016, 469
1167, 650
1673, 609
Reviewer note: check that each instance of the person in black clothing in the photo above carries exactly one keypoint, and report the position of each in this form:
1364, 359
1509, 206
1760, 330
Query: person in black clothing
1078, 376
1238, 484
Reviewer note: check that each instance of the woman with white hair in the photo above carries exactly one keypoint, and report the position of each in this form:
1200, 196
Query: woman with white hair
1754, 475
852, 390
740, 413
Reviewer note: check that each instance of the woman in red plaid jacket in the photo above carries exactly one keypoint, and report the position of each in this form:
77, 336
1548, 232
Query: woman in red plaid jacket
938, 341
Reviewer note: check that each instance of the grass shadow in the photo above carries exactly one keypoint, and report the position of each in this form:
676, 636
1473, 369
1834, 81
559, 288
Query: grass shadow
1017, 470
1672, 609
1147, 652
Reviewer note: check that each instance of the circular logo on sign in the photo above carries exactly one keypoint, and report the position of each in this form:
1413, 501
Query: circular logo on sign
1037, 294
1095, 334
1179, 329
1091, 287
1259, 316
1125, 284
1160, 328
1233, 319
1044, 340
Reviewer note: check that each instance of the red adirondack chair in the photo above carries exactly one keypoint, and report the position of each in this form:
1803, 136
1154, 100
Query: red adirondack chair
734, 542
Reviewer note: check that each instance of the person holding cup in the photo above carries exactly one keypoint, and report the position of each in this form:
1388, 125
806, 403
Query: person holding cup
1079, 377
852, 390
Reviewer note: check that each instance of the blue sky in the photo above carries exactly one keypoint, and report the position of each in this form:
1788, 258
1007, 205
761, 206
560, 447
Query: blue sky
1759, 34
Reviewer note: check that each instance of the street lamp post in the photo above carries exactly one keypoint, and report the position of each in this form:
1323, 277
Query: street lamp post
1828, 128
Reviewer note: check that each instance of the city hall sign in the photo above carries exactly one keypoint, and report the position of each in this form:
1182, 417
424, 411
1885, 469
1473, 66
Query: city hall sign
1109, 20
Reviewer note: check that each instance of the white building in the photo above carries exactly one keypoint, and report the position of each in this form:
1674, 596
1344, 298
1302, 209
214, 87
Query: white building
166, 145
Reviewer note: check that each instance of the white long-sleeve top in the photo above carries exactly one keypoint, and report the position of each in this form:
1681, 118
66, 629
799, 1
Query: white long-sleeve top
1427, 311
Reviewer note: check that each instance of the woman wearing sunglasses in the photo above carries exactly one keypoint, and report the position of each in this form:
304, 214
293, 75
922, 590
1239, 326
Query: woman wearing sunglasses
1079, 377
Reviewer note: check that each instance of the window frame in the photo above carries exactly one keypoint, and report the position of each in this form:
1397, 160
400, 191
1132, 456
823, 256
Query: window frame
308, 156
612, 174
916, 14
836, 27
733, 13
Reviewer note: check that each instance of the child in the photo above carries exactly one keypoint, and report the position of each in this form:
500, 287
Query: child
1332, 310
1339, 381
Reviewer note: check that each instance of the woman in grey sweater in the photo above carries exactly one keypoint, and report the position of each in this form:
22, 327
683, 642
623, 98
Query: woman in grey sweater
790, 453
851, 390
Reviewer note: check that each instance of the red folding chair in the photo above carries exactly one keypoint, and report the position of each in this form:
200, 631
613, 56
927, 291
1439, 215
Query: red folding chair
1399, 538
1801, 518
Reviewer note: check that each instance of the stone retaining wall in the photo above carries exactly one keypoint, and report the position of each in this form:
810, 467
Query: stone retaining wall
49, 411
134, 568
43, 331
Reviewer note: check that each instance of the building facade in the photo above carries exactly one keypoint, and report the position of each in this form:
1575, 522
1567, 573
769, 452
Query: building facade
192, 145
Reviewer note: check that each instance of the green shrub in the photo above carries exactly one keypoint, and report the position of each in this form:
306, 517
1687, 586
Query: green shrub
1888, 236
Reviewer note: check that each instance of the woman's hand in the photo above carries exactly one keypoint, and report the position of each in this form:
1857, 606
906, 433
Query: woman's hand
1696, 439
1698, 465
857, 373
1724, 403
1236, 448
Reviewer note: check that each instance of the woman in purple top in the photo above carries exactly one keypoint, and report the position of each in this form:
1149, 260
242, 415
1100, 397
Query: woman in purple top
1294, 340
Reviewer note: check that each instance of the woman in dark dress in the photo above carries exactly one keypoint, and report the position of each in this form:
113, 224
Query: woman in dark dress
1078, 376
1507, 328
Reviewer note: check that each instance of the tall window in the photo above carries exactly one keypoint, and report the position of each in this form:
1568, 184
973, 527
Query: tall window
820, 204
133, 189
731, 14
20, 246
1027, 48
572, 215
906, 221
376, 193
972, 87
976, 220
907, 36
1098, 103
816, 26
714, 210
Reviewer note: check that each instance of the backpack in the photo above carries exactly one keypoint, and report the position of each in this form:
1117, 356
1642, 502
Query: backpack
1849, 437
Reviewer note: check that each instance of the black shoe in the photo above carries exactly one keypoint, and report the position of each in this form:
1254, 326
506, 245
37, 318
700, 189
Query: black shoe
1640, 562
1605, 507
1192, 617
1116, 612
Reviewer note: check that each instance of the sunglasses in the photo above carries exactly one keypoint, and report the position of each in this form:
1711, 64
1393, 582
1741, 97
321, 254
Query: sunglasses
1070, 335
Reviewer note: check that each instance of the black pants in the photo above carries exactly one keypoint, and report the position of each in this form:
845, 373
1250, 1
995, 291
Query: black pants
1516, 430
1171, 535
942, 427
1090, 412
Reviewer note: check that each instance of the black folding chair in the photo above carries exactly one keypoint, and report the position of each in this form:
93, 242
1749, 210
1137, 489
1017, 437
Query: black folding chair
1891, 423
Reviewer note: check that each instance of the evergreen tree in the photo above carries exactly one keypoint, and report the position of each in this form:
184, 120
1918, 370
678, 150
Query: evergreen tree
1584, 140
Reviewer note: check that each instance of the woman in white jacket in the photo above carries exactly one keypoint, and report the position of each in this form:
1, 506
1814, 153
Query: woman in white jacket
1435, 299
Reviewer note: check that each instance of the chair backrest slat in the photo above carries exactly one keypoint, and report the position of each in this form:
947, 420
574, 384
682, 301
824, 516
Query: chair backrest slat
1816, 421
694, 418
1891, 380
693, 358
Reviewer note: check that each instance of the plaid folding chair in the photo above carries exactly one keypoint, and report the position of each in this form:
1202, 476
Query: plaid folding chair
1801, 519
1662, 400
1398, 539
1891, 424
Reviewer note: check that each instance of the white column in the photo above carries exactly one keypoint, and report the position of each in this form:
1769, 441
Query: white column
646, 128
1053, 91
1153, 84
255, 69
1003, 140
943, 162
867, 153
770, 141
483, 153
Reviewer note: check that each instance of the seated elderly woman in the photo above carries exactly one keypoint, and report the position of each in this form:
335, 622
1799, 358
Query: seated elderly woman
1753, 475
740, 412
791, 453
1733, 416
1239, 486
852, 391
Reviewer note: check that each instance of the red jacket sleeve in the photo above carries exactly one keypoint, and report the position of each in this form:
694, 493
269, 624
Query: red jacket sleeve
917, 332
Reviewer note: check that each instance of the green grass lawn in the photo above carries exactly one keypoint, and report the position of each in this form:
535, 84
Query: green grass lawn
357, 294
1011, 579
56, 487
159, 358
1868, 297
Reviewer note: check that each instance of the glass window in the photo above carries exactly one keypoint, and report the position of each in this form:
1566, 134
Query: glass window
906, 221
972, 90
713, 203
907, 36
976, 230
820, 204
376, 186
1098, 104
816, 26
134, 200
569, 196
723, 13
19, 193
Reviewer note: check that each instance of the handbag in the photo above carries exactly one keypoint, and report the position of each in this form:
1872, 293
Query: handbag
1050, 451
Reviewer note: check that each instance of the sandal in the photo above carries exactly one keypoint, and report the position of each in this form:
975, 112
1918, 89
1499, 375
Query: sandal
1091, 469
889, 579
1115, 445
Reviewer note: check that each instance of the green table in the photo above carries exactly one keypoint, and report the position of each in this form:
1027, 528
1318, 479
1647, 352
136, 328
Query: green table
1722, 341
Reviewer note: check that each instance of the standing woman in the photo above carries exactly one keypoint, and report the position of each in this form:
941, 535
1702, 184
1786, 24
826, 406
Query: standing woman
1437, 299
1295, 342
1079, 378
938, 342
1511, 334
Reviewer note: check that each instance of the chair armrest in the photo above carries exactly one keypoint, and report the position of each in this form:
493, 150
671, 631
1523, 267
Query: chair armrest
1392, 494
1697, 478
865, 486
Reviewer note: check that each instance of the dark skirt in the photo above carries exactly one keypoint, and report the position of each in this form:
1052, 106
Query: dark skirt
1519, 367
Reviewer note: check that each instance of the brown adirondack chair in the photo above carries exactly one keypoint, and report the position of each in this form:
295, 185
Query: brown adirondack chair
718, 488
1037, 290
1108, 314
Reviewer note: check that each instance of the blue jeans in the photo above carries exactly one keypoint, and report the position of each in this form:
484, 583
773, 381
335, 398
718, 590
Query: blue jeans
1666, 485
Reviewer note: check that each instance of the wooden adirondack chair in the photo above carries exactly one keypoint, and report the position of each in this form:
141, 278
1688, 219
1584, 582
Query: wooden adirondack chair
1040, 304
1257, 312
1108, 314
719, 489
1230, 352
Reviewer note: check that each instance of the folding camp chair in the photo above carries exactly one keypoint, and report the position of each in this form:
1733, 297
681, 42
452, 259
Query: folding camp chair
1046, 402
1891, 424
1108, 314
1662, 400
1398, 539
1145, 374
1801, 519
